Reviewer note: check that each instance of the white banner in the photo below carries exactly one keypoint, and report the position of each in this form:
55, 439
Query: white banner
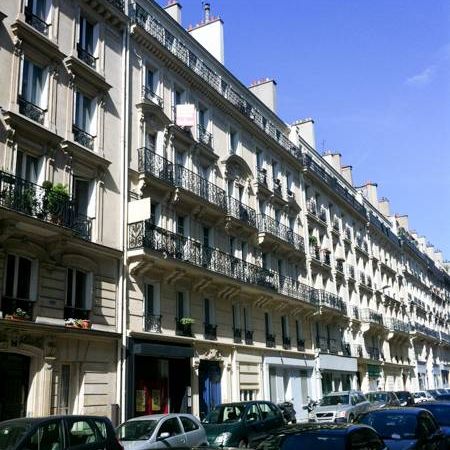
185, 115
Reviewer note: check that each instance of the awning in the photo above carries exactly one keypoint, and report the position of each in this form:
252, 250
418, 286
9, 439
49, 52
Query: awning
162, 351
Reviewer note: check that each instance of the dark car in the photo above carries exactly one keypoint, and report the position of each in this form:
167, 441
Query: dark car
381, 399
443, 397
441, 412
436, 393
405, 397
241, 424
406, 428
58, 433
323, 437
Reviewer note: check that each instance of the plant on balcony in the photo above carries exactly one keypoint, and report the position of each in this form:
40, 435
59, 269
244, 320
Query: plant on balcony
186, 321
55, 201
312, 241
78, 323
18, 314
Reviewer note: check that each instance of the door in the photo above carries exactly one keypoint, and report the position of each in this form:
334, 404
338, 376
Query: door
209, 386
170, 434
14, 393
84, 434
254, 424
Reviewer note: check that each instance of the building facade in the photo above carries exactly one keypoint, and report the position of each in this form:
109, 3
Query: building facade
209, 251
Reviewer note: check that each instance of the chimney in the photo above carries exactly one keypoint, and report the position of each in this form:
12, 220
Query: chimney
209, 33
384, 207
305, 129
403, 221
173, 8
334, 159
266, 91
346, 172
370, 192
438, 256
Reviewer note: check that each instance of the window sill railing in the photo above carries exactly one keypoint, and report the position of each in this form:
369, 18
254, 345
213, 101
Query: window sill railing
237, 335
286, 343
204, 136
368, 315
148, 94
183, 329
18, 309
83, 137
248, 337
42, 203
270, 341
152, 323
36, 22
242, 212
32, 111
267, 224
71, 312
210, 332
86, 57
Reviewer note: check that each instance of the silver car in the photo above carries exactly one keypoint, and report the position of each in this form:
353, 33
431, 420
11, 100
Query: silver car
342, 406
161, 431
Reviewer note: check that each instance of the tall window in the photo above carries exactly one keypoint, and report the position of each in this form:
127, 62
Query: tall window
81, 196
78, 294
284, 327
64, 390
85, 113
37, 14
233, 142
27, 167
268, 323
88, 41
236, 312
150, 80
208, 311
20, 278
180, 225
182, 305
247, 319
33, 83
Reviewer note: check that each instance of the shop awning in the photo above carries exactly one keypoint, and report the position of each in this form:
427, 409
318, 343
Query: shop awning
162, 351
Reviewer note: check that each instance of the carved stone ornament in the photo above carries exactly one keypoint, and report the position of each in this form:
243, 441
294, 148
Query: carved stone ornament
213, 354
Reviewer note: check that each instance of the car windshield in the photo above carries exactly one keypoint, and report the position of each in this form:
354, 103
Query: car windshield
314, 440
12, 433
392, 425
225, 414
440, 412
377, 397
332, 400
136, 430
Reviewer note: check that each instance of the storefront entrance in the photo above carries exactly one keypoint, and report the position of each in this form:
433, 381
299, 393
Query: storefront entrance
14, 376
209, 386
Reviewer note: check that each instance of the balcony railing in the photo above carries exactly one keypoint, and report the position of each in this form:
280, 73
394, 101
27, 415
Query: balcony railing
148, 94
311, 206
368, 315
329, 300
71, 312
10, 305
183, 328
248, 337
204, 136
301, 345
398, 325
36, 22
286, 342
373, 353
423, 329
153, 164
43, 204
152, 323
293, 288
270, 340
31, 110
83, 137
262, 177
340, 265
268, 225
210, 332
237, 335
86, 57
277, 188
242, 212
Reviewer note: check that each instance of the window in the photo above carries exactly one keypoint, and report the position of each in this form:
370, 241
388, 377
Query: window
82, 432
171, 426
33, 83
21, 278
188, 424
259, 159
180, 225
78, 294
248, 394
246, 314
88, 42
298, 330
150, 80
206, 236
236, 312
84, 113
208, 311
150, 141
244, 250
268, 323
150, 300
48, 435
234, 142
253, 413
267, 411
81, 196
284, 327
64, 390
40, 9
182, 305
203, 118
365, 439
27, 167
155, 213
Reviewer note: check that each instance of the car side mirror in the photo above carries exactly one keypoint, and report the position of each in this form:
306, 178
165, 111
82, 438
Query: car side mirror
163, 436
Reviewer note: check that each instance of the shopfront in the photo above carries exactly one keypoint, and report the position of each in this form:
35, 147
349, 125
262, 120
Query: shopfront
337, 373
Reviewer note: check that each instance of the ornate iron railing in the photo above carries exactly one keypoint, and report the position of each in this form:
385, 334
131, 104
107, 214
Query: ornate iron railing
183, 328
262, 177
153, 164
148, 94
210, 332
270, 340
10, 305
286, 342
86, 57
152, 323
398, 325
204, 136
83, 137
423, 329
43, 204
71, 312
36, 22
249, 337
240, 211
268, 225
368, 315
293, 288
329, 300
237, 335
301, 345
31, 110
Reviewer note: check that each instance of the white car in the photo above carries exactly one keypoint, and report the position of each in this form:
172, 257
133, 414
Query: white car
422, 396
162, 431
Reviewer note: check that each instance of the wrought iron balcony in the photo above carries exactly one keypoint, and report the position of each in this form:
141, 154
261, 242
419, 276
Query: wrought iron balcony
270, 340
423, 329
294, 289
183, 328
10, 305
155, 165
146, 235
314, 251
248, 337
340, 265
237, 335
373, 353
351, 271
277, 188
204, 136
262, 177
31, 110
398, 325
286, 343
368, 315
148, 94
301, 345
86, 57
83, 137
210, 332
311, 206
70, 312
36, 22
242, 212
323, 215
268, 225
152, 323
329, 300
42, 203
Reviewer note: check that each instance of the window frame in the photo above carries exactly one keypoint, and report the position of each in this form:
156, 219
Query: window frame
33, 284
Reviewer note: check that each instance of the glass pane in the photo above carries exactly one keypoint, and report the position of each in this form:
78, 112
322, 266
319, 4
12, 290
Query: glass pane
19, 164
24, 278
81, 433
64, 389
25, 79
37, 85
80, 290
81, 196
45, 437
150, 300
69, 287
31, 169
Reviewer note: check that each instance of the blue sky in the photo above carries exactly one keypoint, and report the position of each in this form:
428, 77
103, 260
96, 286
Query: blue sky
374, 75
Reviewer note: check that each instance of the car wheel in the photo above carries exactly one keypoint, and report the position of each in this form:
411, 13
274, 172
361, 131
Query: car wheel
351, 418
242, 444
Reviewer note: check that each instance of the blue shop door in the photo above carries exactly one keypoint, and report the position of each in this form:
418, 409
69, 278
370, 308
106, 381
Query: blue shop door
209, 386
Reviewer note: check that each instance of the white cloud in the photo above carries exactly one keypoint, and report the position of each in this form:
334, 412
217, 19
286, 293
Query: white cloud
423, 78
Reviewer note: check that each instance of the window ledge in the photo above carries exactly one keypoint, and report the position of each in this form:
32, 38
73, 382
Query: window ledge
87, 157
91, 79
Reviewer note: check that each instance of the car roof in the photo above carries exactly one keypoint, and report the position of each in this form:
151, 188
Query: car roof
159, 416
342, 393
34, 420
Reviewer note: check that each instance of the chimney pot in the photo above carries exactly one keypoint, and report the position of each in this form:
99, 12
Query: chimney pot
207, 12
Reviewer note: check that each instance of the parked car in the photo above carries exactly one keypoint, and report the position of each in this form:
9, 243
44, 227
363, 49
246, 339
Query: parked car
161, 431
436, 393
58, 433
323, 437
340, 407
381, 399
441, 412
241, 424
422, 396
405, 397
406, 428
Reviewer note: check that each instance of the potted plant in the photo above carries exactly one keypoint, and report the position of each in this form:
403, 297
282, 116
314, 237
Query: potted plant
18, 314
55, 201
186, 321
312, 241
86, 324
74, 323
